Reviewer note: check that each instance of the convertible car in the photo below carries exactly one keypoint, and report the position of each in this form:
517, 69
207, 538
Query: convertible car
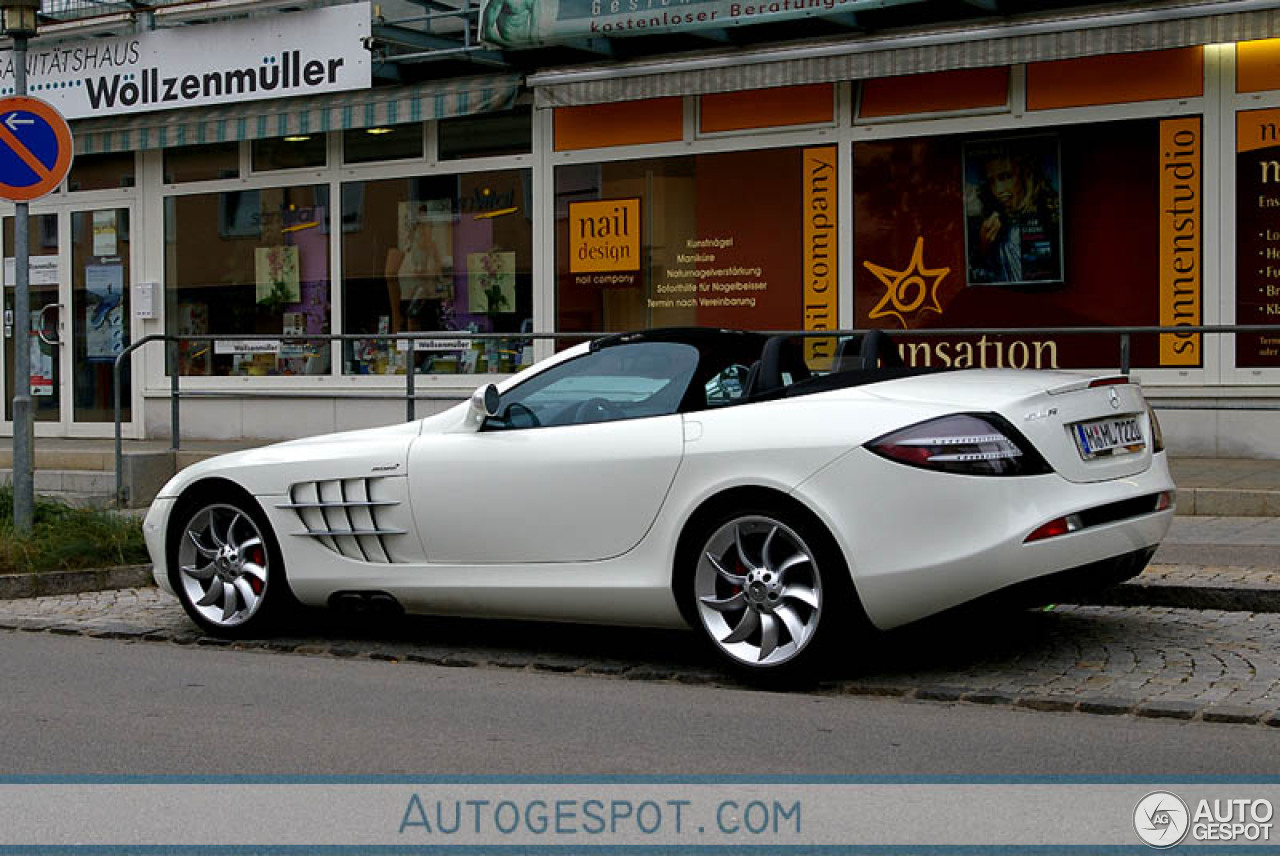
688, 477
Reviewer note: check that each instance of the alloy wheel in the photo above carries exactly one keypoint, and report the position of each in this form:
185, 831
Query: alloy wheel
223, 565
758, 590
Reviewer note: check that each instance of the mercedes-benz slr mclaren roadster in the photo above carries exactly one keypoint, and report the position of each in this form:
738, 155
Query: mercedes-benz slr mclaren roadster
688, 477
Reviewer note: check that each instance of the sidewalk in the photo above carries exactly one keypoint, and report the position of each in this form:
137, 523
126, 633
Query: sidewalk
1227, 487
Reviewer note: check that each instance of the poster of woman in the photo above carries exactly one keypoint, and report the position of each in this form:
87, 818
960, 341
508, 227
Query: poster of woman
1013, 211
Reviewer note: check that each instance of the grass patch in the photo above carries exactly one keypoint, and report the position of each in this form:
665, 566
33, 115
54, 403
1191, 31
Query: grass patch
67, 539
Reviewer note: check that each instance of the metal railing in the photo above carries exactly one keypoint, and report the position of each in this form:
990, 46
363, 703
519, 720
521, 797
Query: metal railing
466, 339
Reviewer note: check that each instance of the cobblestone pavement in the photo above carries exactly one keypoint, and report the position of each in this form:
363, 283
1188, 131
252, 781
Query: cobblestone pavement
1208, 665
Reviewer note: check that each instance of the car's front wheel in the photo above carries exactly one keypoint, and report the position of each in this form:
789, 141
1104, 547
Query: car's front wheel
770, 591
227, 572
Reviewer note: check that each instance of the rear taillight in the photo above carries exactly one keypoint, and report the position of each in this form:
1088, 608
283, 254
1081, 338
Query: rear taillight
965, 444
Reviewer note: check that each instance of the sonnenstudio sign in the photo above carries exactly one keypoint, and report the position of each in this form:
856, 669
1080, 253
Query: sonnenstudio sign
300, 53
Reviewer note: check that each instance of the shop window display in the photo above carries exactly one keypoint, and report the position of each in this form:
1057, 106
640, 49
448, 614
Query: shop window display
250, 261
742, 240
1085, 225
437, 253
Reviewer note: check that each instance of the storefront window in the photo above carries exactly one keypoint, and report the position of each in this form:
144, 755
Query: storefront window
202, 163
487, 135
1085, 225
389, 142
250, 261
438, 253
743, 240
102, 172
1257, 236
299, 151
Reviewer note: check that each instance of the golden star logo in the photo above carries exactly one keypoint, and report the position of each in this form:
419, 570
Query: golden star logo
908, 290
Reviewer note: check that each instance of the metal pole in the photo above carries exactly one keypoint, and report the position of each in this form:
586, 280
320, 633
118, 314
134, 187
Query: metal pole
175, 426
23, 432
119, 437
409, 381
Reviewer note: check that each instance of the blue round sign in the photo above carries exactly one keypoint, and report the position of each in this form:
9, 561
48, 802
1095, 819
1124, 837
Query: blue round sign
35, 148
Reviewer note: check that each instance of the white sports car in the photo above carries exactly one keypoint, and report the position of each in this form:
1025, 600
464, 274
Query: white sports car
698, 477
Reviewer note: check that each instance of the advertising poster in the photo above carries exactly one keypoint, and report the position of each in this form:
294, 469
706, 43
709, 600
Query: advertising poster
104, 233
491, 282
276, 272
422, 260
193, 320
604, 242
41, 360
1258, 235
1013, 211
104, 312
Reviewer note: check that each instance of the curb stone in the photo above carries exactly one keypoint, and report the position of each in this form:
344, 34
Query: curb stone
17, 586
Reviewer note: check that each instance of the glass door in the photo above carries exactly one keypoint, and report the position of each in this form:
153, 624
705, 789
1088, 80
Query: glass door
41, 331
80, 319
98, 327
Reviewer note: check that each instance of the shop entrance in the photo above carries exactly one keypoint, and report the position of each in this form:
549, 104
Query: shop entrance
80, 275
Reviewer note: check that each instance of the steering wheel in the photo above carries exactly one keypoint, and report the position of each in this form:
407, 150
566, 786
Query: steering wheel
597, 410
518, 415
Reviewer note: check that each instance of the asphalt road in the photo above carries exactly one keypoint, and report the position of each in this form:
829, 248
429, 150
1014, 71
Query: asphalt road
78, 705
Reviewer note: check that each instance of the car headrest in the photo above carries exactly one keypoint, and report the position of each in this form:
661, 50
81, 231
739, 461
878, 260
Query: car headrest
878, 349
780, 355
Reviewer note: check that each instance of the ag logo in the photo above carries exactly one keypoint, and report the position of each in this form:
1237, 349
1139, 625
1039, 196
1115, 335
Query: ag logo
1161, 819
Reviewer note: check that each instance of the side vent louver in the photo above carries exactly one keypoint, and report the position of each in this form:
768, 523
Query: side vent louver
346, 516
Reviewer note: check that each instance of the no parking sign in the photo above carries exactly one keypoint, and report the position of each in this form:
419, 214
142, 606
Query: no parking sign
35, 148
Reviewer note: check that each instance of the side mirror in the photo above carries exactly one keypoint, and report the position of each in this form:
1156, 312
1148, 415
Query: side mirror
484, 403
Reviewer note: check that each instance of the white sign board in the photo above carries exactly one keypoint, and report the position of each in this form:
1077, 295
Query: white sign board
280, 55
41, 270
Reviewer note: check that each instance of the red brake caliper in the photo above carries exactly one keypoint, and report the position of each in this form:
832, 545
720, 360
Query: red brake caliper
258, 558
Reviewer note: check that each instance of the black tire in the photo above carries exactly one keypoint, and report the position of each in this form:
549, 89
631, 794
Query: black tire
225, 565
766, 585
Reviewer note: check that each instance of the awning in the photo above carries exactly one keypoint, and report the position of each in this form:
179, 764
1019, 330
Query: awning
1123, 28
315, 114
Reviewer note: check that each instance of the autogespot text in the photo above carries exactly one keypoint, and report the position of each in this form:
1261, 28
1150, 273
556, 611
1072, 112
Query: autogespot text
571, 817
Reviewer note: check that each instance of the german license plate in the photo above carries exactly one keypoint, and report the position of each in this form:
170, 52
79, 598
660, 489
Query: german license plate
1115, 435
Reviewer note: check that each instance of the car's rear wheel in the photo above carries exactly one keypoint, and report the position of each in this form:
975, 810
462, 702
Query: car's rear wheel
770, 590
228, 572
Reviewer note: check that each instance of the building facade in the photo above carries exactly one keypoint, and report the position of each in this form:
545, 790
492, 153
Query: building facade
1103, 167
